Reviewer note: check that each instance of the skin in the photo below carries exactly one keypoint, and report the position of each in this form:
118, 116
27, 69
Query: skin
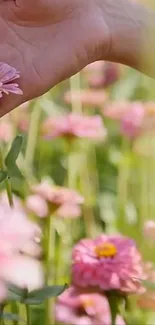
50, 40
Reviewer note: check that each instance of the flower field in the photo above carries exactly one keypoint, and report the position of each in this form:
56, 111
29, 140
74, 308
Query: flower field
77, 203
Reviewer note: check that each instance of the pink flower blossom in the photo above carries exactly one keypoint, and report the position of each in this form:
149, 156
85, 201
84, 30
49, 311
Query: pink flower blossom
86, 97
7, 76
19, 238
116, 110
81, 308
132, 121
147, 299
149, 230
66, 202
108, 262
75, 126
6, 130
130, 114
21, 117
102, 74
37, 205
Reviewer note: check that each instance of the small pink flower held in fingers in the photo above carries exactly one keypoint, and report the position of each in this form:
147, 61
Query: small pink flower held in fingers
108, 263
7, 76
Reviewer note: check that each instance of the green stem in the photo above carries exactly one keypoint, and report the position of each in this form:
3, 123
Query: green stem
75, 85
7, 180
113, 303
28, 316
1, 313
33, 134
49, 240
14, 310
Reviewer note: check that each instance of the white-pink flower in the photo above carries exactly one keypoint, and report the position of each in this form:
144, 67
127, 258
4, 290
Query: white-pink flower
7, 76
19, 248
79, 307
65, 202
75, 126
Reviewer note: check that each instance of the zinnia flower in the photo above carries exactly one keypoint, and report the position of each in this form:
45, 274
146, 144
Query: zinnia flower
149, 230
102, 74
73, 126
131, 116
7, 76
19, 246
82, 308
87, 97
21, 117
132, 121
116, 110
6, 130
147, 299
36, 204
108, 262
64, 201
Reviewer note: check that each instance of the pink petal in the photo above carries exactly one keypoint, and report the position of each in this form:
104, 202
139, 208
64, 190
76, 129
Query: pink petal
7, 73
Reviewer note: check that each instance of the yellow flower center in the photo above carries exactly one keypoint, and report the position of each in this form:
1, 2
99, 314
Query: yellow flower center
86, 303
106, 250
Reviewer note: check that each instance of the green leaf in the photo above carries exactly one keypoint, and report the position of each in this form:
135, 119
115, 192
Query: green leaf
16, 293
17, 290
13, 296
3, 175
14, 151
32, 301
47, 292
148, 284
13, 171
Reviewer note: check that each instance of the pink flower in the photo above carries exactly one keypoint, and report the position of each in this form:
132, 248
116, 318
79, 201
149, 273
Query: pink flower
69, 211
132, 121
86, 97
6, 130
75, 126
116, 110
21, 117
94, 74
66, 202
22, 271
7, 76
16, 229
147, 299
149, 230
37, 205
81, 308
102, 74
108, 262
19, 237
130, 114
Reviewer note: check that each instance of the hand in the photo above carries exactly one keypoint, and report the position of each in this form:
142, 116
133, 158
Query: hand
48, 41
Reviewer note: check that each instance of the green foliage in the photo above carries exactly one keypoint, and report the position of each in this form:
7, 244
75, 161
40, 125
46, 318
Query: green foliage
14, 151
35, 297
3, 175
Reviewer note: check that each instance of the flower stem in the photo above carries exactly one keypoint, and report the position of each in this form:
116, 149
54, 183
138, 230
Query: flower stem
1, 314
7, 180
32, 134
14, 310
28, 317
49, 240
75, 85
